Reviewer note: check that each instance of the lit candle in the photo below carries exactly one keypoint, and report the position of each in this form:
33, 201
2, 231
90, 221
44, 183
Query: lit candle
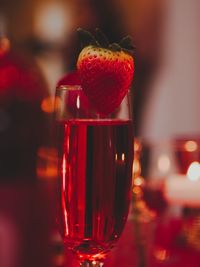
184, 189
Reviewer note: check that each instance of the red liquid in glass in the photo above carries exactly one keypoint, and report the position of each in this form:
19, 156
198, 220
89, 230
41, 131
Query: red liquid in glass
95, 181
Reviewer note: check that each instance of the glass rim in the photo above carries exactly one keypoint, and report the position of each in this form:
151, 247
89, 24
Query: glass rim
77, 87
67, 87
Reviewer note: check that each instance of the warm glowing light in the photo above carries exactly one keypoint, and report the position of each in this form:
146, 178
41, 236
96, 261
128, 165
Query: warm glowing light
136, 167
138, 181
4, 45
123, 157
163, 163
193, 172
137, 145
116, 157
137, 190
47, 163
50, 103
47, 104
52, 21
190, 146
191, 232
161, 254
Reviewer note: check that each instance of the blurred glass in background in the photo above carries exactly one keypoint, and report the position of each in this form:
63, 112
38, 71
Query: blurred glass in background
22, 122
167, 193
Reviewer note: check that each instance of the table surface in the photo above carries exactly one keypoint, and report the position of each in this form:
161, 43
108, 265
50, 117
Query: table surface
29, 237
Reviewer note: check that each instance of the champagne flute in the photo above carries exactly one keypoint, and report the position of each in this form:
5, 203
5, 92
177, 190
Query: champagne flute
95, 155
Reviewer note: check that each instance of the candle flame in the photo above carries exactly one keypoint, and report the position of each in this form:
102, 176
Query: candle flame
193, 172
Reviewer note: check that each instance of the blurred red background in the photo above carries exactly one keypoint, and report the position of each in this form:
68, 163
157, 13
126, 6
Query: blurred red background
38, 45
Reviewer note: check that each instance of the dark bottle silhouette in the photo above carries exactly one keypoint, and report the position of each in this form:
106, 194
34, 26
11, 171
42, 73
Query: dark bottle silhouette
23, 124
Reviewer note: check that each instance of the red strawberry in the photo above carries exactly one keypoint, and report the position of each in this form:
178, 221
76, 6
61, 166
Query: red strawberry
106, 74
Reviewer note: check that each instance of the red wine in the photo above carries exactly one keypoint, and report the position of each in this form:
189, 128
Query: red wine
95, 165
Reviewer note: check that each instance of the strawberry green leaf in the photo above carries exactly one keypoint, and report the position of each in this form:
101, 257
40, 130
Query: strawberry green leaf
86, 38
115, 47
127, 43
101, 38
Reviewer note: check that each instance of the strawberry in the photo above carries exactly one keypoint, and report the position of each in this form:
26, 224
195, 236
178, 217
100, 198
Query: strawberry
106, 71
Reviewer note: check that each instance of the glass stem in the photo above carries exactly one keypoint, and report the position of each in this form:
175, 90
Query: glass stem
91, 264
